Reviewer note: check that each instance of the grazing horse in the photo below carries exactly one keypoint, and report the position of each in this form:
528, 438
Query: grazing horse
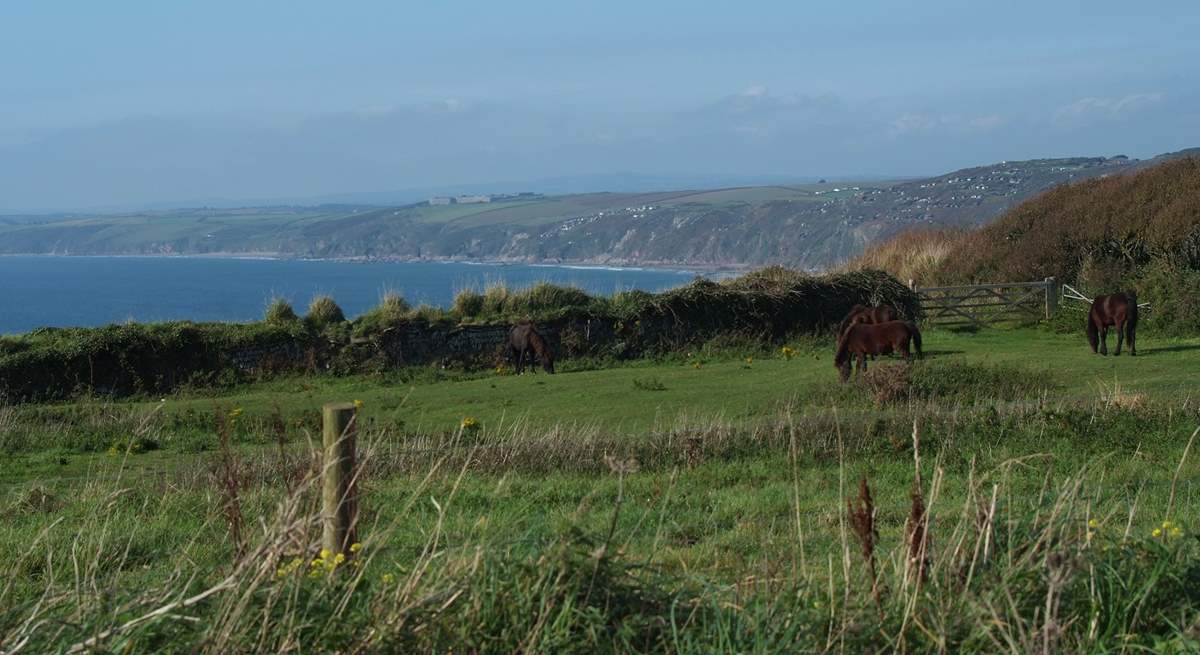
1119, 310
863, 339
870, 315
524, 343
864, 314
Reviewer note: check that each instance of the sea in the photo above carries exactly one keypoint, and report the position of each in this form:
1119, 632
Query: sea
55, 291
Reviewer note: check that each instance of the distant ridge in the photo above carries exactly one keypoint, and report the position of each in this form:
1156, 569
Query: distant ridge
809, 225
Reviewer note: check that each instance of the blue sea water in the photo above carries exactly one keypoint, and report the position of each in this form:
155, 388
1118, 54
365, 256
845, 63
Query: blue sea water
38, 291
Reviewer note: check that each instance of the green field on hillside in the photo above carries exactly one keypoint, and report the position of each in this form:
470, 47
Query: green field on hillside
724, 469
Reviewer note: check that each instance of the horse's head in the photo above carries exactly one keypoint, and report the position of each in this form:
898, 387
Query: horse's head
843, 370
548, 363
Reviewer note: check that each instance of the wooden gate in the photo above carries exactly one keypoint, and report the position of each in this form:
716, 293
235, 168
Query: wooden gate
988, 304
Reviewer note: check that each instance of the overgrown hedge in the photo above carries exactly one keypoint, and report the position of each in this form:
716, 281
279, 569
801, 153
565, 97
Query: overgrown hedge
52, 363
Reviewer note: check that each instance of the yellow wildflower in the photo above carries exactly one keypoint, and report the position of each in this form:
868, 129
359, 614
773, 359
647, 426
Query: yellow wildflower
358, 404
1176, 532
338, 559
387, 578
355, 547
234, 413
326, 553
1157, 533
1093, 523
469, 424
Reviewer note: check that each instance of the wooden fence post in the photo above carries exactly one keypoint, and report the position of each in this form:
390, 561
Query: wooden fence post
339, 491
1052, 294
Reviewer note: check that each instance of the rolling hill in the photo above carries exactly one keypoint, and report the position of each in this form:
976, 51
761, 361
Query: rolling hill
808, 226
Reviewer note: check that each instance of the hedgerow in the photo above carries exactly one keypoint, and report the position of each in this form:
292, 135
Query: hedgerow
766, 305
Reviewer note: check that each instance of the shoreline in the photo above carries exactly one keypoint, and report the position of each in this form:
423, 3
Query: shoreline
273, 256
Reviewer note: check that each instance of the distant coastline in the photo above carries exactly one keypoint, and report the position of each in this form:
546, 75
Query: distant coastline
275, 256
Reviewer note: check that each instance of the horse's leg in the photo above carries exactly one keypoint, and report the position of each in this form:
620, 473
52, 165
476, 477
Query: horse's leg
1131, 328
1104, 339
1120, 337
904, 354
520, 361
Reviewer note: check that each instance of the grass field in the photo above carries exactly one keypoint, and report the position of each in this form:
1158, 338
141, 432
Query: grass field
723, 471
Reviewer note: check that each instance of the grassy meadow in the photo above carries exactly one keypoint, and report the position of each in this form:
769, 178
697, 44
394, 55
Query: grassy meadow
1022, 495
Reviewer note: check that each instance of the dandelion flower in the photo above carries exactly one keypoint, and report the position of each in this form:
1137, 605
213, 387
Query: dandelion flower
1093, 523
338, 559
358, 404
1157, 533
355, 547
326, 553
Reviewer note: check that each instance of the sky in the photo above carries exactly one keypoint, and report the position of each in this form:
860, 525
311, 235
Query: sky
140, 103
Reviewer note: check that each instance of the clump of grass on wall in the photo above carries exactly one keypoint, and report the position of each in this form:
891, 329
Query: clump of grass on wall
323, 311
279, 311
468, 303
392, 309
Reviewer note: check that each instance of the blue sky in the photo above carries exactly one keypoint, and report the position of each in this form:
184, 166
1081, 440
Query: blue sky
137, 102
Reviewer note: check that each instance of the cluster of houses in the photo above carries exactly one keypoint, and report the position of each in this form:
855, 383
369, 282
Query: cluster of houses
476, 199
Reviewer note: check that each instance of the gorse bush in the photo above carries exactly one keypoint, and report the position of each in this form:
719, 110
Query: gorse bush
323, 311
279, 311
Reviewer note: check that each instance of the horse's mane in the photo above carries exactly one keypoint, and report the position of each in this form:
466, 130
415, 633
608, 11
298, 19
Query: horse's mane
854, 311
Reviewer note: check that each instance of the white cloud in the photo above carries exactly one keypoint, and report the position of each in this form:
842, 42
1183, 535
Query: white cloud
1106, 107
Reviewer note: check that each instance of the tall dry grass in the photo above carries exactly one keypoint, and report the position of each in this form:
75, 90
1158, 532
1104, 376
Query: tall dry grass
998, 570
916, 254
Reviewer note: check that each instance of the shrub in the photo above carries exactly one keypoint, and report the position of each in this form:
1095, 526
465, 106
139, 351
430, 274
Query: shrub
1172, 293
323, 311
279, 311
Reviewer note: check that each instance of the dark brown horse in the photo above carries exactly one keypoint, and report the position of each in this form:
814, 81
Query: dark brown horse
863, 339
1119, 310
864, 314
524, 343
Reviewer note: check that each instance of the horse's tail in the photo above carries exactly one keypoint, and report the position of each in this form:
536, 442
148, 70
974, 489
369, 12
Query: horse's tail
1131, 314
538, 344
1093, 332
916, 337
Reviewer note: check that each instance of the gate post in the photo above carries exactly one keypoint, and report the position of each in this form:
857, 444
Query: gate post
1052, 294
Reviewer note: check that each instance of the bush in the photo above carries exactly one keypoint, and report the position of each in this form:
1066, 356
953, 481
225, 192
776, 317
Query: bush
1173, 296
323, 311
279, 311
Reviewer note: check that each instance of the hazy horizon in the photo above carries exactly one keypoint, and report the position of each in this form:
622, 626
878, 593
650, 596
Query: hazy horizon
147, 104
